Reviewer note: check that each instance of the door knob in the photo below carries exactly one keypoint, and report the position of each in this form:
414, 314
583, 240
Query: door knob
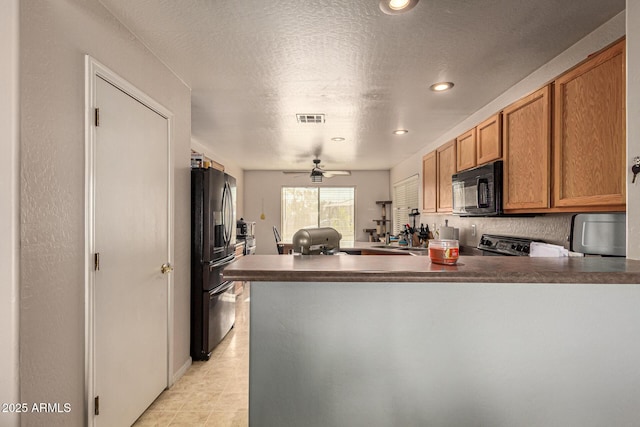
166, 268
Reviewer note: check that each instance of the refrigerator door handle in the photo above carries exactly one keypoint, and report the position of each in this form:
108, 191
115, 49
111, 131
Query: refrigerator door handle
227, 206
224, 215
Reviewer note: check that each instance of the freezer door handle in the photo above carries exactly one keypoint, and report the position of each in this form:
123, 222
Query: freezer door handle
220, 289
223, 262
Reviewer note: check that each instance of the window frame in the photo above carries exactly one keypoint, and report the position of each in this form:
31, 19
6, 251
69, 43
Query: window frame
319, 190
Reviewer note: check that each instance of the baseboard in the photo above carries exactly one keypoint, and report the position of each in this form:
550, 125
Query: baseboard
183, 369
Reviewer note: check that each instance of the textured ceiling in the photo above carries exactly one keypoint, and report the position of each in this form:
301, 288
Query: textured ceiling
253, 65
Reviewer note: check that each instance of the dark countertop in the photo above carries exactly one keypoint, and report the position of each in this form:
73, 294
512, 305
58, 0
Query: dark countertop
470, 269
380, 248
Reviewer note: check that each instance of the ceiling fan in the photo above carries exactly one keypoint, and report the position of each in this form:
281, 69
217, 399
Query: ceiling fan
317, 172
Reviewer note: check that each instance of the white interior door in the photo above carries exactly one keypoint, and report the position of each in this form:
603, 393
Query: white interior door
131, 237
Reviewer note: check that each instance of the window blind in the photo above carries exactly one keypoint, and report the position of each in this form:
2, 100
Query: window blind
405, 198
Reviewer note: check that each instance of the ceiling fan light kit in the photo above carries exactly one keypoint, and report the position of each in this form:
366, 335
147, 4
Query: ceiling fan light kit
316, 172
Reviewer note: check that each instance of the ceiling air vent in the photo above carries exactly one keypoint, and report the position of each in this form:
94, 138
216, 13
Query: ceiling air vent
310, 118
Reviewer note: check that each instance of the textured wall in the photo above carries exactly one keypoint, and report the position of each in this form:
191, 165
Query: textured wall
265, 186
9, 208
553, 228
54, 37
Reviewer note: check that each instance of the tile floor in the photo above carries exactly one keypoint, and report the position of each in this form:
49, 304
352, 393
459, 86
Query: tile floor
211, 393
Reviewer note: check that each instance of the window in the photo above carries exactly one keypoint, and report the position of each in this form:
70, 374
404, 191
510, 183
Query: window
405, 198
310, 207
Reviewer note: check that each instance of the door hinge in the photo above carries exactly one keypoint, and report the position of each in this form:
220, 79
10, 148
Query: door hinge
96, 405
96, 261
96, 116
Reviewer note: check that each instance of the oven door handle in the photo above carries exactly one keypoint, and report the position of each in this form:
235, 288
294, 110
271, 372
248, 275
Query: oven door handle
223, 262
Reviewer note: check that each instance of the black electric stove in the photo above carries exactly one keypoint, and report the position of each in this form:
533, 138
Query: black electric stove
494, 245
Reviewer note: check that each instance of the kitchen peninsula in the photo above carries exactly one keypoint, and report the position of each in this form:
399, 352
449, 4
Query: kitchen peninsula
500, 341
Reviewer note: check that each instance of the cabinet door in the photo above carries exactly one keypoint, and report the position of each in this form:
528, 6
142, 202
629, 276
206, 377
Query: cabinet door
489, 141
526, 137
446, 160
466, 150
429, 182
589, 143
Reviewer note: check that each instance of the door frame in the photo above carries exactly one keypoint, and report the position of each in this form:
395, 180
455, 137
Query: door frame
94, 70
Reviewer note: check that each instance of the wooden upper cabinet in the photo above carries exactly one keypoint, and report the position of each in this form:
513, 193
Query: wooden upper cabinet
466, 150
589, 138
446, 161
429, 182
480, 145
526, 138
489, 141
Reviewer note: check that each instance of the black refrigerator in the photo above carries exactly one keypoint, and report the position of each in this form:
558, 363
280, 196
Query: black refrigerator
213, 238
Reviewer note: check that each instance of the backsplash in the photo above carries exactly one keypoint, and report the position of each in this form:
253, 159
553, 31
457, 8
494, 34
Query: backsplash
550, 228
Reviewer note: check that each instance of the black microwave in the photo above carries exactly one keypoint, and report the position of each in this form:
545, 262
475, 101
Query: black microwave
478, 191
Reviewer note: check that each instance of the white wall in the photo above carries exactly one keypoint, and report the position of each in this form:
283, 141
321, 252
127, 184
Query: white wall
54, 37
264, 187
633, 126
601, 37
9, 208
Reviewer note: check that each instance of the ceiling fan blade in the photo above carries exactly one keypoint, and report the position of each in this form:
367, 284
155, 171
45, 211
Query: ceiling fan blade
296, 174
317, 173
330, 174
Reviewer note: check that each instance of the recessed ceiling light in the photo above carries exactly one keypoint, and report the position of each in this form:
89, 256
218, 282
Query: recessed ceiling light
395, 7
400, 132
338, 139
441, 86
398, 4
